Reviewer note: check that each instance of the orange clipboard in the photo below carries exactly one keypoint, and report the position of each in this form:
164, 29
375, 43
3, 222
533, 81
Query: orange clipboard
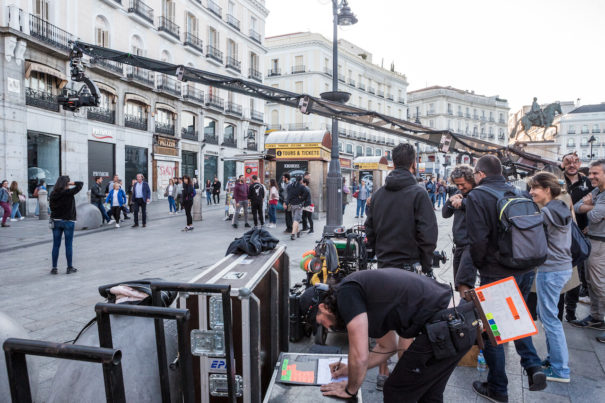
503, 311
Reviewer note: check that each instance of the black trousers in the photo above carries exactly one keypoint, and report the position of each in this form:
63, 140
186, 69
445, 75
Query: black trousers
216, 197
257, 213
457, 258
307, 220
115, 211
188, 205
139, 203
288, 221
419, 376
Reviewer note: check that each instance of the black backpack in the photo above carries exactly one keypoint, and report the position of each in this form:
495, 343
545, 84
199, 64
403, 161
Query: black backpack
522, 240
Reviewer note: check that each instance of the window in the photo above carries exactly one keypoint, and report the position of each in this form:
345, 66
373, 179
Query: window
584, 141
378, 152
370, 105
571, 142
253, 24
584, 129
168, 7
135, 109
450, 111
229, 134
191, 24
254, 61
274, 117
42, 82
595, 128
275, 65
41, 9
43, 160
431, 123
188, 122
340, 146
299, 61
164, 117
349, 148
571, 130
212, 37
369, 151
231, 49
358, 151
298, 87
209, 128
136, 46
431, 109
101, 32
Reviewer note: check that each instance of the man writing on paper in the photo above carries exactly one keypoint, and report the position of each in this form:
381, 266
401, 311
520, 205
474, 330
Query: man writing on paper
373, 302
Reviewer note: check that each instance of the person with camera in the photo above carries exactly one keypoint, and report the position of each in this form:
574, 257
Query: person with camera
63, 219
371, 303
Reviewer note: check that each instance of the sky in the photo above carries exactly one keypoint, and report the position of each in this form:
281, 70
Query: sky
517, 49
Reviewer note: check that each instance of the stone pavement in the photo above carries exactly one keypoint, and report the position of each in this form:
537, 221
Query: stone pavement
55, 308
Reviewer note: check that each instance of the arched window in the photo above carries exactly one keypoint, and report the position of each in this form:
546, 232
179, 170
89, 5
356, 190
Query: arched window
136, 46
188, 124
210, 131
101, 31
229, 135
164, 122
135, 115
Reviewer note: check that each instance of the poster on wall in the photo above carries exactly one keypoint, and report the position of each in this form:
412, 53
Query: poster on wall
166, 171
367, 177
294, 168
250, 168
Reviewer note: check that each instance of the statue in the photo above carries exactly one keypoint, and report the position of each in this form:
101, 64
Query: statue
536, 114
538, 117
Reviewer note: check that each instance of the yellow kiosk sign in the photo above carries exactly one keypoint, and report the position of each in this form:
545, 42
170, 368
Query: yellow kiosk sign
302, 153
370, 166
294, 145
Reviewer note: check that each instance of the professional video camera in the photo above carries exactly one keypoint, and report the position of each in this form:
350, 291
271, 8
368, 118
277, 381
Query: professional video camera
88, 94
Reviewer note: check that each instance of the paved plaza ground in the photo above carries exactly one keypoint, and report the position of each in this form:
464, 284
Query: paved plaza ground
55, 308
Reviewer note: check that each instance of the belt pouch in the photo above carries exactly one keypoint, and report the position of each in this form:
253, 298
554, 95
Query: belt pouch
441, 340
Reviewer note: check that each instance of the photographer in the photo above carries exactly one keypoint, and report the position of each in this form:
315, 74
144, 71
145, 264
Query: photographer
372, 303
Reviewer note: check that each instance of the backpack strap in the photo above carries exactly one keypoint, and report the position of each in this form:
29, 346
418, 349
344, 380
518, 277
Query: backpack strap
497, 194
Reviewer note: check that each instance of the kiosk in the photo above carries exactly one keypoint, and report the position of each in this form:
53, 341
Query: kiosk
298, 151
372, 170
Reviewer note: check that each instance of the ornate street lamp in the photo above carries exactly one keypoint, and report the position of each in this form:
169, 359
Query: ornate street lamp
342, 16
591, 140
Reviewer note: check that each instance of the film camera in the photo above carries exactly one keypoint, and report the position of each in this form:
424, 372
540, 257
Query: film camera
88, 94
304, 302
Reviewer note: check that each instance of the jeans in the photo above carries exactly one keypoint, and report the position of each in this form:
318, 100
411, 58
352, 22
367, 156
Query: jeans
208, 198
67, 228
440, 197
6, 207
361, 206
494, 356
15, 210
432, 197
238, 205
272, 217
171, 204
548, 288
99, 204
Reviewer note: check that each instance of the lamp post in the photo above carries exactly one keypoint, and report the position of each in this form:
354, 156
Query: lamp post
342, 16
591, 140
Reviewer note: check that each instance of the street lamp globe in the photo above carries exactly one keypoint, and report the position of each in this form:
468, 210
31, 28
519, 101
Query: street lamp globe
346, 16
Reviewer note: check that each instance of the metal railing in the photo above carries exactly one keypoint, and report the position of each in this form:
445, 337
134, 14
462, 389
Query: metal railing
49, 33
450, 112
256, 115
571, 131
101, 115
234, 22
233, 108
361, 86
229, 142
328, 71
164, 24
298, 69
298, 126
255, 36
372, 90
468, 115
501, 121
164, 128
255, 74
142, 10
274, 72
140, 75
390, 97
596, 131
460, 114
214, 53
41, 99
215, 9
380, 94
351, 82
215, 102
491, 119
341, 77
193, 94
189, 133
169, 85
193, 41
116, 67
233, 63
210, 138
135, 122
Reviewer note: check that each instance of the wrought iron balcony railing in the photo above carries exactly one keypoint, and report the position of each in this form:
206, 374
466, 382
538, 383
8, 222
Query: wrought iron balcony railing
215, 9
193, 94
169, 85
298, 126
361, 86
41, 99
371, 90
110, 65
135, 122
164, 128
210, 138
390, 97
328, 71
189, 133
234, 22
234, 64
274, 72
142, 10
351, 82
255, 74
194, 42
165, 25
214, 53
255, 36
49, 33
229, 142
256, 115
381, 94
274, 127
101, 115
140, 75
233, 108
298, 69
215, 102
251, 145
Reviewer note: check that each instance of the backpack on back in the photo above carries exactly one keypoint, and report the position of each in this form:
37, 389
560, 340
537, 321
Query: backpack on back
522, 240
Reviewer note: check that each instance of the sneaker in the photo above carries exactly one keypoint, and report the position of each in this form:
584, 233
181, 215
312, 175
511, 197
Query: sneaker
144, 225
292, 237
126, 217
600, 325
21, 218
482, 389
311, 231
117, 225
111, 222
545, 363
13, 219
234, 225
71, 270
570, 316
551, 376
54, 271
586, 322
536, 378
601, 338
380, 380
135, 225
584, 300
247, 225
5, 225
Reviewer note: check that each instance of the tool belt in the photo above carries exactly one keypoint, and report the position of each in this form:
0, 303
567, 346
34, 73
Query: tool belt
452, 333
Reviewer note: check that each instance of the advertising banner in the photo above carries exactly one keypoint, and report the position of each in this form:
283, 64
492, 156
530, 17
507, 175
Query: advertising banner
367, 177
294, 168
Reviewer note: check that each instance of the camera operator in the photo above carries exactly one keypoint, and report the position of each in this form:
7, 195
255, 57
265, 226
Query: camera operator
371, 303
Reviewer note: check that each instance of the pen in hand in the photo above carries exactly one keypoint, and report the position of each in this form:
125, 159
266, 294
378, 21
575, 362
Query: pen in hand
337, 367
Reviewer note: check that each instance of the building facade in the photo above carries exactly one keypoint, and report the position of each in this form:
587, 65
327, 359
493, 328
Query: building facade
580, 128
147, 122
462, 112
302, 63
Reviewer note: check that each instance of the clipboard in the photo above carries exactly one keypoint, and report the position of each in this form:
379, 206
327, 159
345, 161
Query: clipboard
503, 311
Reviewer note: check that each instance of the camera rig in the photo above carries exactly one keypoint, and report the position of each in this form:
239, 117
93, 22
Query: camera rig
88, 94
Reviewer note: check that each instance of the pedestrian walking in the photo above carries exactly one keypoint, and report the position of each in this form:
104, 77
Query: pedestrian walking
41, 186
129, 195
16, 198
141, 195
362, 196
256, 195
170, 193
216, 191
240, 197
441, 193
431, 188
116, 199
187, 201
345, 194
179, 193
125, 208
97, 196
208, 192
273, 200
5, 198
308, 208
554, 273
283, 198
297, 194
63, 219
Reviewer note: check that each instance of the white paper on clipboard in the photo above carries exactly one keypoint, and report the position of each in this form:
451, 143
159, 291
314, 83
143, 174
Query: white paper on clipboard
506, 312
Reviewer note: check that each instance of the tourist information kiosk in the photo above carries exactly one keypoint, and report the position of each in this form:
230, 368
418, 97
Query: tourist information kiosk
372, 170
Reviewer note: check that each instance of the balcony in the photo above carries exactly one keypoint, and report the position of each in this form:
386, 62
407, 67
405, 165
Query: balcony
491, 119
501, 121
501, 136
490, 136
460, 114
233, 109
255, 36
274, 127
141, 10
596, 131
109, 65
468, 115
361, 86
401, 100
381, 94
341, 77
450, 112
390, 97
215, 102
101, 115
328, 71
140, 75
571, 131
274, 72
170, 28
41, 99
135, 122
214, 54
190, 93
164, 128
483, 118
210, 138
48, 33
351, 82
257, 116
215, 9
234, 22
372, 90
234, 64
229, 142
475, 117
193, 42
169, 85
189, 133
251, 145
114, 3
255, 74
298, 69
298, 126
584, 131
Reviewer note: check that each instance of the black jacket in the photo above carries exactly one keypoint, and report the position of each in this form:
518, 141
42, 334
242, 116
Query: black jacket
63, 204
308, 200
577, 191
253, 243
296, 193
96, 193
216, 187
256, 193
401, 225
459, 226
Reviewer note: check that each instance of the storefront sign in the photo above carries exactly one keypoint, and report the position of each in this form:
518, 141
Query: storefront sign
371, 165
345, 163
165, 146
422, 167
100, 173
102, 134
295, 145
303, 153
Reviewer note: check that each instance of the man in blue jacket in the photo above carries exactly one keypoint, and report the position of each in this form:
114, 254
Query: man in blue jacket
141, 194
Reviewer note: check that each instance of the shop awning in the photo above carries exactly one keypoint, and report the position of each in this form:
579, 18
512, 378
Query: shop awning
299, 139
42, 68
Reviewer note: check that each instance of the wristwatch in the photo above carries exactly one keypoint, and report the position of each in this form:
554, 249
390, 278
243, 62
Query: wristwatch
349, 393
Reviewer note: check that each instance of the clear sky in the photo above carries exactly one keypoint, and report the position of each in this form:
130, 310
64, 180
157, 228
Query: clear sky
518, 49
